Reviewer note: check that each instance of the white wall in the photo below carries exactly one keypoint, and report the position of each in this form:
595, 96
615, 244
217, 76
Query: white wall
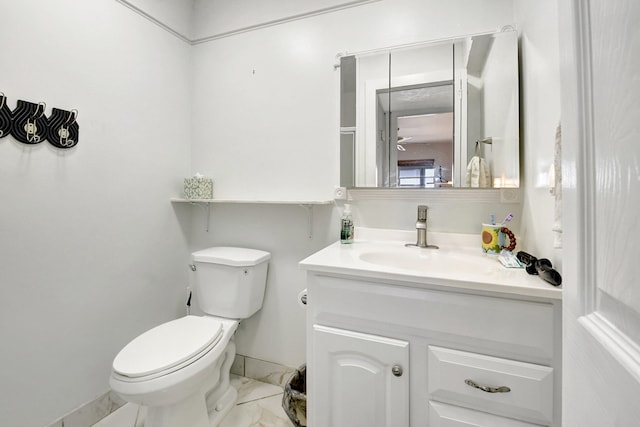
276, 333
175, 14
91, 250
266, 127
265, 95
90, 245
540, 99
214, 18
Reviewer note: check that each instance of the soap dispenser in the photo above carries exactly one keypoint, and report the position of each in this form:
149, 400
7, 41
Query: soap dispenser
346, 225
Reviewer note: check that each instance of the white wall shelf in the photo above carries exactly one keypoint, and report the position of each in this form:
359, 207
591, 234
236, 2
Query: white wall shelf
306, 204
251, 201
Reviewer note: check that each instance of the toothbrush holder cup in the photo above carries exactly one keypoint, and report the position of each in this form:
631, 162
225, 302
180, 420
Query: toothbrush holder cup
494, 237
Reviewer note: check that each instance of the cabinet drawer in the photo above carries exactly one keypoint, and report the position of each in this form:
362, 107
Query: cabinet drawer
507, 326
530, 387
442, 415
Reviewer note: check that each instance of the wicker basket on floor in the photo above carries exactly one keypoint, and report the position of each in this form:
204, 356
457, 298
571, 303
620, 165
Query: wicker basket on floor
294, 399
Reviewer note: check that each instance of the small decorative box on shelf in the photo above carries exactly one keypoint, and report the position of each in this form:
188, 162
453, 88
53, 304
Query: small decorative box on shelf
198, 187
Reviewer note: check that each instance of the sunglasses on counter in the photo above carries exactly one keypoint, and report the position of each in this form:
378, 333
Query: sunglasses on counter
540, 267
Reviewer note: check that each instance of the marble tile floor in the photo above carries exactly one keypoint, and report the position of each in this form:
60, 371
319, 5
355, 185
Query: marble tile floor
259, 405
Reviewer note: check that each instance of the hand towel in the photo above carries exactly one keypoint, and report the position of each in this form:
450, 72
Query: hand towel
478, 175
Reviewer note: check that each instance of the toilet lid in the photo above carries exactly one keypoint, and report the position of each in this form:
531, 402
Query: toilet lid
167, 345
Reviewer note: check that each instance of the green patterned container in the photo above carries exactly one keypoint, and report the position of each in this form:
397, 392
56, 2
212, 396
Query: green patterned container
198, 188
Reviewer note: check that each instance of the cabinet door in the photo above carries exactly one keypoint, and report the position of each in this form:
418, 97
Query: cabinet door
359, 380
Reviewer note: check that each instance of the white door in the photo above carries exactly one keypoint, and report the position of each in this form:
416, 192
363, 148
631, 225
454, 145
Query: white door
363, 380
600, 62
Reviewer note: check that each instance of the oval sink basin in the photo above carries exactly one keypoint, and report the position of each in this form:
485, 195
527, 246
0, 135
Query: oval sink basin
421, 259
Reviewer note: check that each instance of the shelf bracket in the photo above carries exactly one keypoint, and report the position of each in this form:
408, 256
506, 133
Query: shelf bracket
207, 209
309, 209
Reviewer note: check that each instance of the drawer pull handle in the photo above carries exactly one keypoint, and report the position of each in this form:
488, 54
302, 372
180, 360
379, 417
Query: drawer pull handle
502, 389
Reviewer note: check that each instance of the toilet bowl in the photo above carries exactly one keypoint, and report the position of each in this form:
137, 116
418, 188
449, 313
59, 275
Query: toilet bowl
180, 370
173, 384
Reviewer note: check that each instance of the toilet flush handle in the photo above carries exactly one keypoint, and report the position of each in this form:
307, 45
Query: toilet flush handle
193, 267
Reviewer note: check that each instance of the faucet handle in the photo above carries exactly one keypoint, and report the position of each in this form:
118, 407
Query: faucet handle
422, 213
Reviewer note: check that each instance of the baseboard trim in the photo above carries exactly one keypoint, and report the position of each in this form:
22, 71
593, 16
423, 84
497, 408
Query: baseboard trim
261, 370
91, 412
95, 410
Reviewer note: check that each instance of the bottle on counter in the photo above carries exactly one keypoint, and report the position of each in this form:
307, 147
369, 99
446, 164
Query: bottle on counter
346, 225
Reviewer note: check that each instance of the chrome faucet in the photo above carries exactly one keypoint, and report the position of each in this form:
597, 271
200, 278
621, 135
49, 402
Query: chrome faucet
421, 228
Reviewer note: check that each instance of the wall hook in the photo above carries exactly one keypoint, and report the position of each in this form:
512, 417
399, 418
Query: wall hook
5, 117
31, 127
28, 123
73, 115
37, 114
63, 130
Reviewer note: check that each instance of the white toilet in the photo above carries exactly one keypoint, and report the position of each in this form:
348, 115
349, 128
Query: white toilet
180, 369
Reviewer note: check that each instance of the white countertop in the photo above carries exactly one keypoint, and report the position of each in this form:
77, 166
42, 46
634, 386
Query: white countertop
459, 263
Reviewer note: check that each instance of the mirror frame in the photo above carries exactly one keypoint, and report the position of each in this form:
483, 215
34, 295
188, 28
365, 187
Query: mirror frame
348, 112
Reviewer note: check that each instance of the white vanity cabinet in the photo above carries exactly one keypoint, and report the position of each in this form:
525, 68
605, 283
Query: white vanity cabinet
395, 353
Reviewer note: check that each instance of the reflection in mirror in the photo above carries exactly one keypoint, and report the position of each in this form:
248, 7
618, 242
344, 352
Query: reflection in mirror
487, 69
420, 148
435, 115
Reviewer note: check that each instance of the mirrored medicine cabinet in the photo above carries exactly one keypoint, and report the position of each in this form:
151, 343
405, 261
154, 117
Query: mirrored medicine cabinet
439, 114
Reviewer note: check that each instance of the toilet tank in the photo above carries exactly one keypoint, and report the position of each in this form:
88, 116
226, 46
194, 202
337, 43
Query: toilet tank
230, 282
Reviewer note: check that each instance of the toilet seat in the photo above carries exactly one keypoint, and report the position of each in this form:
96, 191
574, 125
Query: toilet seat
167, 348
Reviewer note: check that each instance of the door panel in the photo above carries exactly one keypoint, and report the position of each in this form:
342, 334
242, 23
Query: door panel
615, 42
601, 185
